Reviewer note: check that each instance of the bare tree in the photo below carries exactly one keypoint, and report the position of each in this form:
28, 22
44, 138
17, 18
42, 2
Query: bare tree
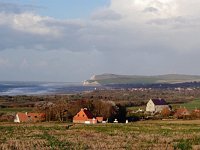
60, 110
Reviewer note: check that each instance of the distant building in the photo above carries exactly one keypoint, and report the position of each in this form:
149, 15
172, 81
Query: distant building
29, 117
85, 116
99, 119
156, 105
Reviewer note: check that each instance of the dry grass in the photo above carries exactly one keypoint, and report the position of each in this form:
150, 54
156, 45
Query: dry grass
154, 135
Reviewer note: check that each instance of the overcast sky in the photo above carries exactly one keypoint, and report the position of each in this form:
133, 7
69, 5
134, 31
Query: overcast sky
70, 40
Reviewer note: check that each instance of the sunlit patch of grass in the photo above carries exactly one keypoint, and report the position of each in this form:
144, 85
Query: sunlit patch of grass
190, 105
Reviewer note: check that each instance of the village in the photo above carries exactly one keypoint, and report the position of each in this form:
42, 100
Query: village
156, 109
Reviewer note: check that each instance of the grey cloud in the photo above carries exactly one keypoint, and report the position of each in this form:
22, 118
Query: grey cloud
80, 36
70, 25
183, 24
171, 21
150, 9
70, 38
16, 8
114, 36
106, 14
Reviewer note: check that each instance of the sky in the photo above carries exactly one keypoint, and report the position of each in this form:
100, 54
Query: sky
71, 40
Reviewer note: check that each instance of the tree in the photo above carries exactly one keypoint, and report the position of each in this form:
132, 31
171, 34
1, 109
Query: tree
60, 109
165, 112
121, 113
54, 111
106, 109
45, 107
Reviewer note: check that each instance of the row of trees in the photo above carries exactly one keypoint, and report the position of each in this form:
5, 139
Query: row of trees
63, 110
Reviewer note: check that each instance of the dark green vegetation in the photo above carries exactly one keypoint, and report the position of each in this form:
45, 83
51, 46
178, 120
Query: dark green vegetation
183, 135
135, 79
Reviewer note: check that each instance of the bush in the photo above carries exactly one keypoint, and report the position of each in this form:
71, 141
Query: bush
136, 116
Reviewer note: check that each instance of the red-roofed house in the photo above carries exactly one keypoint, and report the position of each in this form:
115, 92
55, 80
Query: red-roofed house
85, 116
156, 105
29, 117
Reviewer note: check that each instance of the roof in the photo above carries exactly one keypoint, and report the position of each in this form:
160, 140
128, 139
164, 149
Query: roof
159, 101
24, 117
88, 113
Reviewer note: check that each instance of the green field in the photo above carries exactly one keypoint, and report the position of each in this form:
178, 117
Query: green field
155, 135
190, 105
135, 108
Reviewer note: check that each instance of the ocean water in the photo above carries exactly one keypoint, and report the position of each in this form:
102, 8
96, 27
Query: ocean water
41, 88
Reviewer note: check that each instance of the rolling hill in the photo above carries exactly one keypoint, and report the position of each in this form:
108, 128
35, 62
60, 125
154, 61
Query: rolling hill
105, 79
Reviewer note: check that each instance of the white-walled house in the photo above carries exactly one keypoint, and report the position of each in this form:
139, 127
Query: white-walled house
156, 105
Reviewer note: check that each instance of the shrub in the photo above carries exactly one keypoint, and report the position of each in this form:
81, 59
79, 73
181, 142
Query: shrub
165, 112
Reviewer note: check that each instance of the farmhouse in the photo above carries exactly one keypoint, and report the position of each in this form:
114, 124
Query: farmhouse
156, 105
85, 116
29, 117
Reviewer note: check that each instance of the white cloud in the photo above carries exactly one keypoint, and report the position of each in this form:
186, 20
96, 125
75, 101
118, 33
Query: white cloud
28, 23
125, 24
141, 10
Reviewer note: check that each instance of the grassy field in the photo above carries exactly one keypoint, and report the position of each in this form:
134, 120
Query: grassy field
14, 110
135, 108
192, 105
154, 135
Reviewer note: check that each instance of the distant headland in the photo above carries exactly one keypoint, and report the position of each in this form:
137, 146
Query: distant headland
107, 79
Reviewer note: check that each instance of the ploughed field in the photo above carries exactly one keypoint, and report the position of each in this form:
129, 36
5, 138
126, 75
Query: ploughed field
156, 135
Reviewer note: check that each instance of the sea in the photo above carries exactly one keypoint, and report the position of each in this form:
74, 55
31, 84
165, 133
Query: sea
12, 88
42, 88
